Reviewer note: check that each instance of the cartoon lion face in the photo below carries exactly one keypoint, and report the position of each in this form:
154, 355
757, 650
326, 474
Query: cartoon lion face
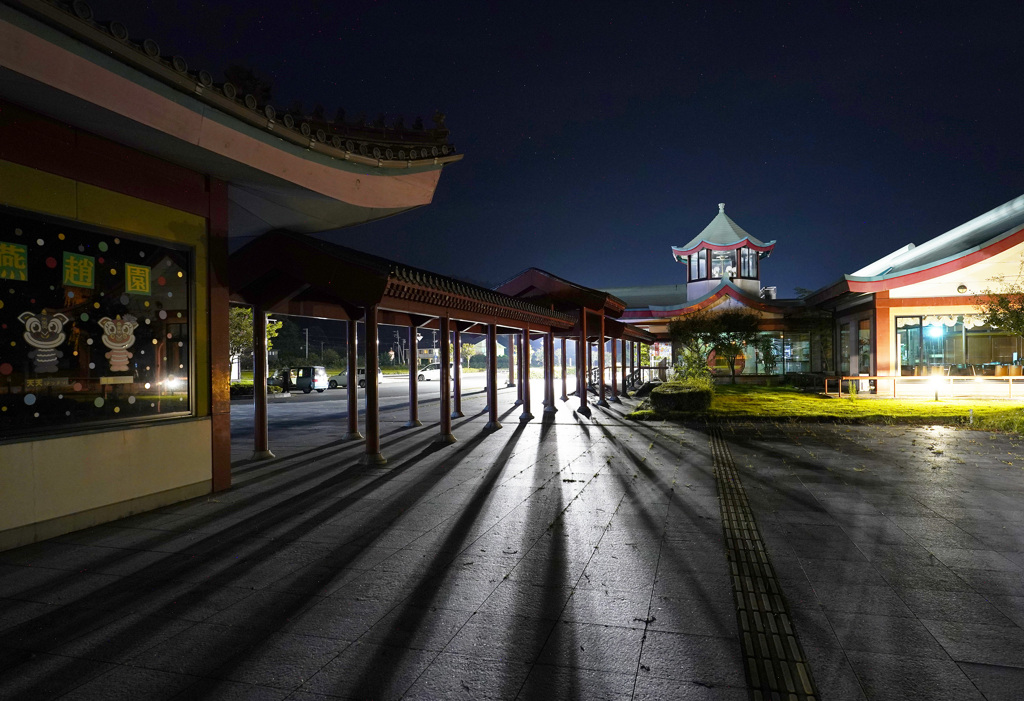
44, 330
118, 334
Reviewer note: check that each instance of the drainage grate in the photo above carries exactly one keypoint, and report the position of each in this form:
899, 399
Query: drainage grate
775, 662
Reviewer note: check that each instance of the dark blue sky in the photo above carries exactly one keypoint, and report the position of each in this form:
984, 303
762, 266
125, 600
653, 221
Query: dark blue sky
597, 135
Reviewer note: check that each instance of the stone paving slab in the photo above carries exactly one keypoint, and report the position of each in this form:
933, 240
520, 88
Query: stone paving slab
562, 558
902, 558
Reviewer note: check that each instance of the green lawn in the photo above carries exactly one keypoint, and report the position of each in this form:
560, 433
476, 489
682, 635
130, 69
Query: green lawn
786, 403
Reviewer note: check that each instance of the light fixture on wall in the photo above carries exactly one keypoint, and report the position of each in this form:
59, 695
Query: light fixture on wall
961, 288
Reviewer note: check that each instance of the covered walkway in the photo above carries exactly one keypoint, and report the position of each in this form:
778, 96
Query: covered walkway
286, 273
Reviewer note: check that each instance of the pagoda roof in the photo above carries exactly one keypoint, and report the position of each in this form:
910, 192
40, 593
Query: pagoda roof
722, 234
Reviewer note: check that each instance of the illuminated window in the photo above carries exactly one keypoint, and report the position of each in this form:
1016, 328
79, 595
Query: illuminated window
95, 328
748, 263
723, 264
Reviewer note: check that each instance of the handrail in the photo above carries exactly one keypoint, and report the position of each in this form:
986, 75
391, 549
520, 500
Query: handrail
937, 380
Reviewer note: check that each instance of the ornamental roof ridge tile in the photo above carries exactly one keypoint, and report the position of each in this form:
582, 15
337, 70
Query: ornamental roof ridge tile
378, 144
425, 278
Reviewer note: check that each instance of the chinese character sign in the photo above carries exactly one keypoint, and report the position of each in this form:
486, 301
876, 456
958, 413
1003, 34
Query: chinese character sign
136, 279
13, 261
79, 271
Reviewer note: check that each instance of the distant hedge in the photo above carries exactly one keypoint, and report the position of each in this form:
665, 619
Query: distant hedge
245, 389
681, 396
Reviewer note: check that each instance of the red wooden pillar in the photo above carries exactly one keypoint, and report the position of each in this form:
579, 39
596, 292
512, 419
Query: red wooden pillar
519, 366
582, 364
565, 397
353, 384
457, 365
220, 352
549, 372
511, 361
603, 401
261, 433
372, 455
492, 378
524, 374
446, 382
615, 368
624, 392
414, 369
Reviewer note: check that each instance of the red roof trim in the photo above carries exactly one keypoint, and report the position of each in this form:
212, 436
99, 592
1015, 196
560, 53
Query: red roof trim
891, 283
720, 247
725, 291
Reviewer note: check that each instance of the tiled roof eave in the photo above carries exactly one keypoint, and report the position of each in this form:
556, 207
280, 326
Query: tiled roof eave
199, 85
461, 297
749, 242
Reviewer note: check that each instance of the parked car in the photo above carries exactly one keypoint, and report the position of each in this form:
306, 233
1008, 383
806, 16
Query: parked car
306, 378
433, 372
341, 379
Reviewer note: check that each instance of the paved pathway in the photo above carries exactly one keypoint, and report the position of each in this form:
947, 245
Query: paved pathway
559, 559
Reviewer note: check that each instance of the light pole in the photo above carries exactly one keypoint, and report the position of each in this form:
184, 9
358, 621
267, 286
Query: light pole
307, 342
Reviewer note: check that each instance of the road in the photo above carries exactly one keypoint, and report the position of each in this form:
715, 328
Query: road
320, 414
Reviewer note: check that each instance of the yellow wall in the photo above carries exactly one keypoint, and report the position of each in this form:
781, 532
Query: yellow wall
51, 480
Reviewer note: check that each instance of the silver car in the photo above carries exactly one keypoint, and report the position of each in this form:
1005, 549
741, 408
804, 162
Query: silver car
341, 379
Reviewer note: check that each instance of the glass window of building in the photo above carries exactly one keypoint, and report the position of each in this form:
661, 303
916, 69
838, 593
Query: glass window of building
723, 263
97, 327
748, 263
699, 265
864, 346
955, 345
844, 349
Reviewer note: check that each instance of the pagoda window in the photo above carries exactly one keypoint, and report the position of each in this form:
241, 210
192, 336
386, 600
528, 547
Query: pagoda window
699, 265
723, 264
748, 263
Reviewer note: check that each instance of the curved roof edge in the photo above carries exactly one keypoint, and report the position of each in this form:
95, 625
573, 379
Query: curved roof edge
749, 242
722, 233
965, 245
727, 288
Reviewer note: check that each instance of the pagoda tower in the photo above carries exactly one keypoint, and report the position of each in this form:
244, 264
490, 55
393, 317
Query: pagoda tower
723, 251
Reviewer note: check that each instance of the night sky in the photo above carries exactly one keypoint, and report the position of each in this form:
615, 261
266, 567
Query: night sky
597, 135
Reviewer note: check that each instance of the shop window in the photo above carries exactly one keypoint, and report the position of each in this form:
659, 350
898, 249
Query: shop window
95, 328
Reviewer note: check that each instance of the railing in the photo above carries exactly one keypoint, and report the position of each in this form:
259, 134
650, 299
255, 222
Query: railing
938, 384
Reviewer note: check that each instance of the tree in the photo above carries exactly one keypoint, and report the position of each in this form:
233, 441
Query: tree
697, 333
1003, 305
726, 332
738, 330
240, 331
468, 351
765, 345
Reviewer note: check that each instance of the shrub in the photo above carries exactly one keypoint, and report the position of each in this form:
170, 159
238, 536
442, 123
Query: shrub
682, 396
245, 389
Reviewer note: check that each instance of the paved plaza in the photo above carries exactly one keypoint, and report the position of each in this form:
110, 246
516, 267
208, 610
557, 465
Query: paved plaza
561, 558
